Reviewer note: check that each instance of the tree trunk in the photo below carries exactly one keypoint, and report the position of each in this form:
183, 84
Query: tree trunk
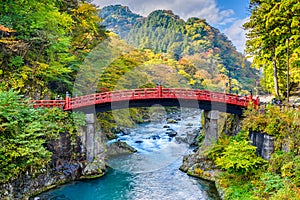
275, 78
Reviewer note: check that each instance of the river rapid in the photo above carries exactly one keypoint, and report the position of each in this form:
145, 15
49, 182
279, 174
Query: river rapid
152, 173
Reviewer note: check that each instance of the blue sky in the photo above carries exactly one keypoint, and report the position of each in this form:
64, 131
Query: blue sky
226, 15
240, 7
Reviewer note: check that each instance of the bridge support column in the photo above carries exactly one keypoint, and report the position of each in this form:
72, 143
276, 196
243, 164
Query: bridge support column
211, 127
95, 149
90, 137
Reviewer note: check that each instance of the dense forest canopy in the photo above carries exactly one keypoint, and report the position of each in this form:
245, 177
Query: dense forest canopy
43, 43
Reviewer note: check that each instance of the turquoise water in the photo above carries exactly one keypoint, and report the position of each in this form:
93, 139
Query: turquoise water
116, 185
150, 174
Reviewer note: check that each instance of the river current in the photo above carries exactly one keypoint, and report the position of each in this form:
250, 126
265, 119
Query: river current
152, 173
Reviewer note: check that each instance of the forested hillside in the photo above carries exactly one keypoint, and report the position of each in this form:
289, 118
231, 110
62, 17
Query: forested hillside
208, 58
118, 19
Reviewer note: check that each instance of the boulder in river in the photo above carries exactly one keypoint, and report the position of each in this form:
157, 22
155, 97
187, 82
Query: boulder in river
119, 148
172, 121
126, 131
123, 131
189, 137
171, 132
154, 137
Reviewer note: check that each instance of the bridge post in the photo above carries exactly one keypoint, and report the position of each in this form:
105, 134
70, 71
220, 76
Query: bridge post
90, 137
159, 87
94, 148
67, 101
210, 127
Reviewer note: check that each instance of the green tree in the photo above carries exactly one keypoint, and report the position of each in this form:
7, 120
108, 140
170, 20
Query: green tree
23, 133
42, 41
274, 27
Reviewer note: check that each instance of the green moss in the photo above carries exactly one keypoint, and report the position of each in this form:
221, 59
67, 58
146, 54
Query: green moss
87, 177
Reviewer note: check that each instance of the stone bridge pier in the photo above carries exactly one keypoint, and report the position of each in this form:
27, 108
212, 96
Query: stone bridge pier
94, 147
210, 127
90, 137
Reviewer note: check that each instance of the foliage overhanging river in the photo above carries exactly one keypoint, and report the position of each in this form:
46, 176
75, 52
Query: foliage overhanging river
152, 173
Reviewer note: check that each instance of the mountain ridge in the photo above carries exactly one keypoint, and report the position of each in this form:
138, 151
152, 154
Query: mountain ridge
120, 21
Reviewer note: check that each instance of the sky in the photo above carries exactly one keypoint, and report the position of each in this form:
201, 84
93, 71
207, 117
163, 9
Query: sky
226, 15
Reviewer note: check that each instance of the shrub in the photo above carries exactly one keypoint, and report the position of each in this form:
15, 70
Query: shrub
288, 192
218, 148
277, 160
239, 157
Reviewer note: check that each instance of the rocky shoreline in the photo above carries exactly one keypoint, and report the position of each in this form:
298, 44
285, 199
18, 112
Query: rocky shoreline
197, 165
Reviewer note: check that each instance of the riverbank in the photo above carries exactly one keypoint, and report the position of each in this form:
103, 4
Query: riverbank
267, 170
40, 148
198, 165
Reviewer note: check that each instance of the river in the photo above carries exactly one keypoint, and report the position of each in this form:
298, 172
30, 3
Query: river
152, 173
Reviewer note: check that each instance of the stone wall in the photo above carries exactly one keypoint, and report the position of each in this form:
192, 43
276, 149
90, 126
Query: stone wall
264, 144
27, 185
62, 168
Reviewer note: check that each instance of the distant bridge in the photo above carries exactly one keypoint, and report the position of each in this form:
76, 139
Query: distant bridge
105, 101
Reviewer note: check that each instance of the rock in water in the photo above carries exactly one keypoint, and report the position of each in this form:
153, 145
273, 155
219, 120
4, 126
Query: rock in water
171, 132
119, 148
139, 141
172, 121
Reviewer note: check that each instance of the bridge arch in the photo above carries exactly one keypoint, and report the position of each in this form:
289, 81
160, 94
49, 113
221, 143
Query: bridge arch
202, 99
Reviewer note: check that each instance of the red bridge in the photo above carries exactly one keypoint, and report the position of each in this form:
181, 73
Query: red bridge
147, 97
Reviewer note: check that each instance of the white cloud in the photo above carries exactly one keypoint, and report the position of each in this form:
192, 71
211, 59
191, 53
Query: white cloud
237, 34
206, 9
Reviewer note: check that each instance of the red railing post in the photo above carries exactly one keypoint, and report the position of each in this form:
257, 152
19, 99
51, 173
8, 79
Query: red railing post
256, 102
159, 88
67, 101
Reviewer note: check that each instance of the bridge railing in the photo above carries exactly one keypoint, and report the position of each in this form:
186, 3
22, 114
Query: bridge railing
108, 97
47, 103
205, 95
146, 93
